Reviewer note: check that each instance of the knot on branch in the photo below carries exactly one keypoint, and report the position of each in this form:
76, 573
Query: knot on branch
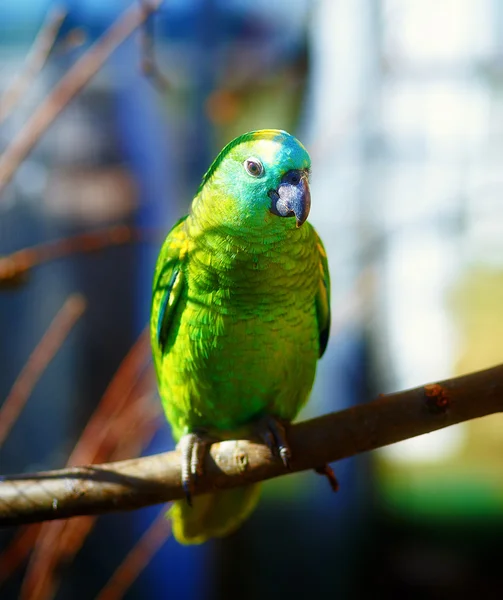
437, 399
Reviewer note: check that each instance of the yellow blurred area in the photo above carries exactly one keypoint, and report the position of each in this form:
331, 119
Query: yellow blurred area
464, 476
477, 310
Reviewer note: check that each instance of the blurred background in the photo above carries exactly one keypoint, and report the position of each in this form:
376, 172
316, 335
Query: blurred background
400, 103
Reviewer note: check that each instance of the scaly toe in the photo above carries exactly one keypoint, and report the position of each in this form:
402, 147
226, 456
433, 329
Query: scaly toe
192, 447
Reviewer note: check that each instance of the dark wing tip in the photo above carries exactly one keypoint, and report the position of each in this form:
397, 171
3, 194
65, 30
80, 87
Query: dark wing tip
323, 337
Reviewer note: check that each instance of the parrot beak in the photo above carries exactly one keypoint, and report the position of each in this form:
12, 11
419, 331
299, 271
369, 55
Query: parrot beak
293, 197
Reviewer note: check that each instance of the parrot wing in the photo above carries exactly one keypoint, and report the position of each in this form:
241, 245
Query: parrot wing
169, 282
323, 297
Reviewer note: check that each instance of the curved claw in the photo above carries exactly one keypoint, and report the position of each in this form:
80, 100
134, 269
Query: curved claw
192, 447
273, 432
328, 472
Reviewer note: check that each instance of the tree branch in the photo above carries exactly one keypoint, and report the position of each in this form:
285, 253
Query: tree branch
35, 62
39, 359
131, 484
77, 77
15, 268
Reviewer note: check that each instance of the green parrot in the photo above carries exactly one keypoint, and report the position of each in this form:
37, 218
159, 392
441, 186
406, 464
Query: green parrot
240, 315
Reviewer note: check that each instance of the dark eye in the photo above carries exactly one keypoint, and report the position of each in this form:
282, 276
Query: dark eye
253, 167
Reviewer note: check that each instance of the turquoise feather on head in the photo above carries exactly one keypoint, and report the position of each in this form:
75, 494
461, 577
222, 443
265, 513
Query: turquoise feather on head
245, 181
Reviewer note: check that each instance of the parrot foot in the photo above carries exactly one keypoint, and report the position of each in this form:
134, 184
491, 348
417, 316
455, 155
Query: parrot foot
272, 432
328, 472
192, 447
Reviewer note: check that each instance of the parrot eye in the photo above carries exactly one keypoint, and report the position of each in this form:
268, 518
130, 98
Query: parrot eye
253, 167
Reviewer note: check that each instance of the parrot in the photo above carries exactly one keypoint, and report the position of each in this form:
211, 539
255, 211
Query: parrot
240, 316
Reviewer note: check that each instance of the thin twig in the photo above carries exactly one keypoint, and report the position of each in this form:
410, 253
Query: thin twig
60, 540
71, 83
18, 550
44, 352
130, 484
35, 61
40, 580
95, 445
137, 559
148, 62
117, 396
15, 268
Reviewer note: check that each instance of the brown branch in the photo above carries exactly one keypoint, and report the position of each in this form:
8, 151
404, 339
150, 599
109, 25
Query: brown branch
137, 559
15, 268
59, 541
71, 84
131, 484
14, 556
95, 439
97, 443
51, 342
148, 62
35, 61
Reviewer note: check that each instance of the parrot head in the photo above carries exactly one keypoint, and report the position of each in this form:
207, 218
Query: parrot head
259, 179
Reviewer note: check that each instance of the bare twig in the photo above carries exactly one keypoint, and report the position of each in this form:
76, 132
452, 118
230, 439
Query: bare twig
148, 62
118, 395
35, 61
137, 559
131, 484
98, 442
72, 82
15, 268
18, 549
44, 352
44, 585
60, 541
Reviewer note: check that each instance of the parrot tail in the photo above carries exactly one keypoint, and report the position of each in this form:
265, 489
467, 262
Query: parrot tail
212, 515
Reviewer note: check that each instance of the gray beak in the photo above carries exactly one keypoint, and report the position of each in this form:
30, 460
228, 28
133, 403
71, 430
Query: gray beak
293, 197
